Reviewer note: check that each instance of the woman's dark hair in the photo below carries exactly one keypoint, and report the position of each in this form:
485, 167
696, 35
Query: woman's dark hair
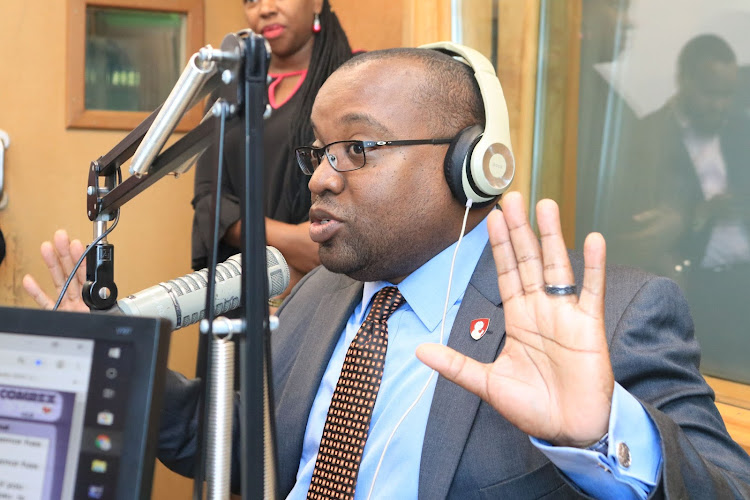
330, 49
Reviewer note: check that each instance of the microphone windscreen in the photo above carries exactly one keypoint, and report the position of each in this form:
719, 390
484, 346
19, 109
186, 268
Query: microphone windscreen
278, 271
183, 300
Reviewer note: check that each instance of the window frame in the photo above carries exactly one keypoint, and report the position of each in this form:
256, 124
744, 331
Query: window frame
77, 114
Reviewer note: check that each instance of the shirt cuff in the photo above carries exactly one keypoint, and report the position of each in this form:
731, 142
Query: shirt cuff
631, 467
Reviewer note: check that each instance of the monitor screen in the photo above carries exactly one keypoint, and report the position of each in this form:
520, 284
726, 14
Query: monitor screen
78, 402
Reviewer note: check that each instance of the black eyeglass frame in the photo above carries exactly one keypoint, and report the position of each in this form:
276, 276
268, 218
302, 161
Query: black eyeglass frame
318, 153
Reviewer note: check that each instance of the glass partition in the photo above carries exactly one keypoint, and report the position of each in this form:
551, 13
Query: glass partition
123, 58
475, 23
649, 143
133, 57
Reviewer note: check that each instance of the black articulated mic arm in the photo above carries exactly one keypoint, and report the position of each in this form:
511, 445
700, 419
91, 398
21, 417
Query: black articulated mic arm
106, 194
238, 71
100, 291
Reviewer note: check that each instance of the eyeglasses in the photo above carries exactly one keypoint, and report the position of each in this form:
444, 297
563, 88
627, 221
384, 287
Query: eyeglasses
344, 156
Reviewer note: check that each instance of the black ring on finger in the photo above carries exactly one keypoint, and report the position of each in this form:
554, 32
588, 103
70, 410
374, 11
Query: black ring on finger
559, 290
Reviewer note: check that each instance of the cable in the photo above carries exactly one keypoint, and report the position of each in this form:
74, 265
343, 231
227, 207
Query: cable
85, 253
203, 362
442, 336
93, 244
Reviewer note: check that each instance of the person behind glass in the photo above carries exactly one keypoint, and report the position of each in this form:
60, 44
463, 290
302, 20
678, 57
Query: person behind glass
307, 44
695, 152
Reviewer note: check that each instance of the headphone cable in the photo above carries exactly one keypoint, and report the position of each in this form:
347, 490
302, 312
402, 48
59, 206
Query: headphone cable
469, 202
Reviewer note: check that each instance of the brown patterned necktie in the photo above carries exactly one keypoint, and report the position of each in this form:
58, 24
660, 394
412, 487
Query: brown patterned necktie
348, 420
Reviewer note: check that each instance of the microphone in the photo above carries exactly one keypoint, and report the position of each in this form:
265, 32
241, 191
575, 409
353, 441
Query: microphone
195, 75
183, 300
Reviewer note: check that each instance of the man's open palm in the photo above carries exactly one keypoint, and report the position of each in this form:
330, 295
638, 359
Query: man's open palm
553, 378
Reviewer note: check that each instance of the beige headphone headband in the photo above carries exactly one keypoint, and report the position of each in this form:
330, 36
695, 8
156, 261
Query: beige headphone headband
491, 163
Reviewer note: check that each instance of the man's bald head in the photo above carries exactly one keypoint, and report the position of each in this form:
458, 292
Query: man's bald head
448, 95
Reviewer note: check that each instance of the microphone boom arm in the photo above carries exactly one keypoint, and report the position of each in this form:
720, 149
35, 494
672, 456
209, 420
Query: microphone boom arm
105, 195
242, 66
144, 143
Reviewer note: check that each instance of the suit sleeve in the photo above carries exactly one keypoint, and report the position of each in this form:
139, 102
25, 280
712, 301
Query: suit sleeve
177, 440
655, 357
603, 472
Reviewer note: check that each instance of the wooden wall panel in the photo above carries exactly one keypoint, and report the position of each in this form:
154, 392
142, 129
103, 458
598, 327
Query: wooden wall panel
733, 401
426, 21
477, 25
222, 17
371, 26
559, 141
518, 44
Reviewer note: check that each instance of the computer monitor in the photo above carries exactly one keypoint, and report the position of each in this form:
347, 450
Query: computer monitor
79, 404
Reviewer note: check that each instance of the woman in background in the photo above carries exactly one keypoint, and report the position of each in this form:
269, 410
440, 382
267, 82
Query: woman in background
307, 44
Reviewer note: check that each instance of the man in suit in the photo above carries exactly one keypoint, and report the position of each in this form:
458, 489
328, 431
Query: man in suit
691, 161
547, 365
566, 394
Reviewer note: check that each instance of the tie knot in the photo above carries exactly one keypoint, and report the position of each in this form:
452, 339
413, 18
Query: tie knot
386, 301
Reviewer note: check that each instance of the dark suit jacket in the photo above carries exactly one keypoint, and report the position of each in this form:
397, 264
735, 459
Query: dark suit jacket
470, 451
660, 176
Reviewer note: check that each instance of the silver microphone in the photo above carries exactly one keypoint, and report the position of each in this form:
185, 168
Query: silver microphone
183, 300
180, 99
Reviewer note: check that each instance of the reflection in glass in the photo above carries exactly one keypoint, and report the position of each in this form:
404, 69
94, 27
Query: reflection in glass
475, 23
133, 57
663, 156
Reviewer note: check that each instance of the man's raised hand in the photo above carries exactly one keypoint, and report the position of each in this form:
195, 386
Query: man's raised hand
553, 378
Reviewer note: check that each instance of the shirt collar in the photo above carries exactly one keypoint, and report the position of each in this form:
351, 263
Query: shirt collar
686, 127
679, 116
424, 289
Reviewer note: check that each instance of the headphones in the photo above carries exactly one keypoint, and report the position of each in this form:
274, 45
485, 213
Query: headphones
479, 165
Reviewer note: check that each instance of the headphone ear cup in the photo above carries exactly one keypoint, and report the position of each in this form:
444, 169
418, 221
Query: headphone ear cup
458, 158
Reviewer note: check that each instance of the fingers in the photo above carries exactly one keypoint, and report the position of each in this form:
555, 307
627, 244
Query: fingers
591, 300
462, 370
525, 243
557, 269
54, 265
62, 245
60, 258
36, 292
508, 280
65, 251
523, 269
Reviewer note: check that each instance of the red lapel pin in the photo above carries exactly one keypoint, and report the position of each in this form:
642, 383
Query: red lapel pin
479, 327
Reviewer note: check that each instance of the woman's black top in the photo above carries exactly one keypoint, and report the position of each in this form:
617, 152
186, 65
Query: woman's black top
287, 197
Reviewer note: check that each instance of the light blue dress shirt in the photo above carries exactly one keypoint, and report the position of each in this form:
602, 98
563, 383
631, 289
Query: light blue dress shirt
397, 432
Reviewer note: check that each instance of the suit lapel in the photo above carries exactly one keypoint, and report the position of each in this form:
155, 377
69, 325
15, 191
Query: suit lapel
453, 409
301, 387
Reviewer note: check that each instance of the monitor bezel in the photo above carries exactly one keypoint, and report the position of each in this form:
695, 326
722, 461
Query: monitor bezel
149, 338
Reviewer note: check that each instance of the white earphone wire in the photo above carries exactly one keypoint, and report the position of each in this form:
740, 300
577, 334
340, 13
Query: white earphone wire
442, 336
